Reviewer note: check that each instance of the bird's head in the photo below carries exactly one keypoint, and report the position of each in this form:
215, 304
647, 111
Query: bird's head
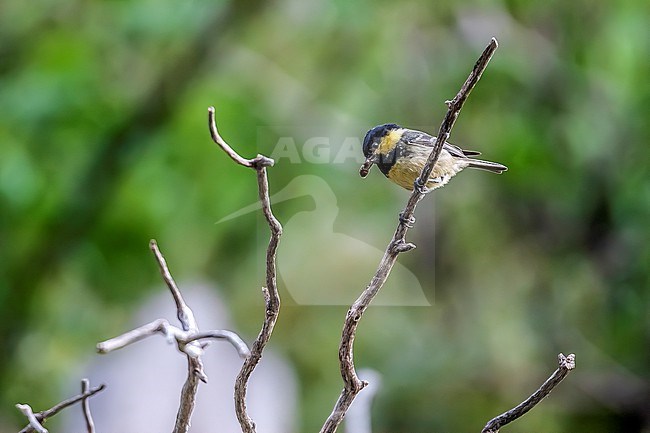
371, 145
374, 136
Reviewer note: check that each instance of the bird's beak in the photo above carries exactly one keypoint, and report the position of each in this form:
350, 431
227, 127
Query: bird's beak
365, 168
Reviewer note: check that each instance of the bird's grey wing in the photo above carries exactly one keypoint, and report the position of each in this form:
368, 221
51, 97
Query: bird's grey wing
418, 138
424, 139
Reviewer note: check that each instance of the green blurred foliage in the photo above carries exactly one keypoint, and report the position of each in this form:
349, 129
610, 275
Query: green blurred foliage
105, 145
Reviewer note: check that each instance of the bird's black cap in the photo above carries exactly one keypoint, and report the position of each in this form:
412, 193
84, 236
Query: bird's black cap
374, 136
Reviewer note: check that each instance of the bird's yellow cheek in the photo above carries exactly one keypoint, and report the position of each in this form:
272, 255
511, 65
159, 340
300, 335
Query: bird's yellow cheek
389, 141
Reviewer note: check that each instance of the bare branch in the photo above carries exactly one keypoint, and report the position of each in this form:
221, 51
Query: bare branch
193, 350
566, 364
270, 291
352, 384
188, 395
188, 340
184, 313
223, 334
214, 132
43, 415
33, 422
85, 406
454, 107
359, 417
157, 326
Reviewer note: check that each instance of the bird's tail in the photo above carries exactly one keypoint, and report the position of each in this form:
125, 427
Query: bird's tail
494, 167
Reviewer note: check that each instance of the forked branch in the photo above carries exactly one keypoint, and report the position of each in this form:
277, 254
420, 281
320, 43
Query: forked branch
40, 417
270, 291
189, 340
352, 384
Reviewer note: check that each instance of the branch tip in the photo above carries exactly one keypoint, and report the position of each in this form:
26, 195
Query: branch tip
565, 365
567, 362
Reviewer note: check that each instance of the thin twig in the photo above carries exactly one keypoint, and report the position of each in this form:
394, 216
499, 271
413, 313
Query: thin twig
172, 333
43, 415
223, 334
270, 291
194, 365
565, 365
85, 407
352, 384
157, 326
33, 422
184, 313
216, 137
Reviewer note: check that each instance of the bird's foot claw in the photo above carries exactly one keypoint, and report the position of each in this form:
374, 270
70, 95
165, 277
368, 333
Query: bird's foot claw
408, 222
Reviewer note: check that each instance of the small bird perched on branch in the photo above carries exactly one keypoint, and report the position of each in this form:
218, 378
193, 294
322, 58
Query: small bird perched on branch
401, 154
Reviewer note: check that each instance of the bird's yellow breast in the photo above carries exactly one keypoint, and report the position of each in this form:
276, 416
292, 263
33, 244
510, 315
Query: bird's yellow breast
406, 170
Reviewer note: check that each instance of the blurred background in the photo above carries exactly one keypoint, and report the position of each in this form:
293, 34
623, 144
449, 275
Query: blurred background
104, 145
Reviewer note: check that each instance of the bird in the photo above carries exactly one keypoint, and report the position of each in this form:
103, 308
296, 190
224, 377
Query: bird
401, 154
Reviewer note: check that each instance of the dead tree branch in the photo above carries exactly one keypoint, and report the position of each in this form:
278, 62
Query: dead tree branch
566, 364
270, 291
189, 340
44, 415
183, 312
352, 384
